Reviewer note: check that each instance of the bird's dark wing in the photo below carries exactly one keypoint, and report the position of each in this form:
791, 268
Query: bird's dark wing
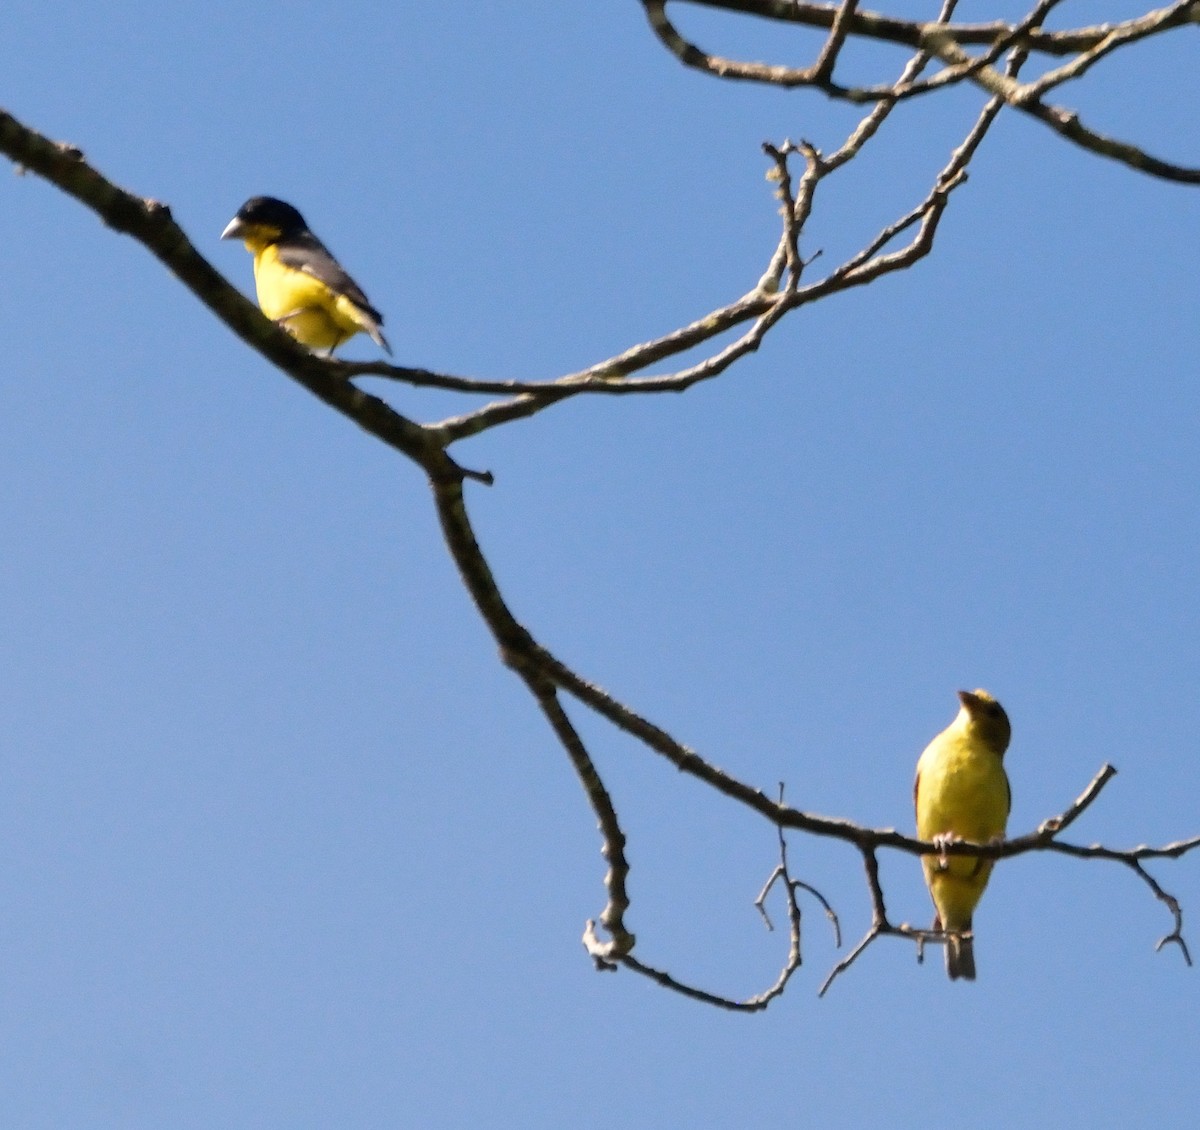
304, 252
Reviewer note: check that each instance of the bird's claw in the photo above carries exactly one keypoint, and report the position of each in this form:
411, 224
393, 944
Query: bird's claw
942, 841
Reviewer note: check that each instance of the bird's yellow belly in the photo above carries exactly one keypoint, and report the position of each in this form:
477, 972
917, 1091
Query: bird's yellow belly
302, 304
963, 795
956, 889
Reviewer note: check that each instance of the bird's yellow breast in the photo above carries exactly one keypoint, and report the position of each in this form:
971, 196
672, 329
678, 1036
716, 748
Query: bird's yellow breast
311, 311
963, 790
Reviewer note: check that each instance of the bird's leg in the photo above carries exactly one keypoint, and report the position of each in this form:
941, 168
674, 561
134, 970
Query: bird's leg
995, 841
283, 319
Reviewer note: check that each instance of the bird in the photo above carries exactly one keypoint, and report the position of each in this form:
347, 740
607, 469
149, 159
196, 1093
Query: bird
962, 791
300, 285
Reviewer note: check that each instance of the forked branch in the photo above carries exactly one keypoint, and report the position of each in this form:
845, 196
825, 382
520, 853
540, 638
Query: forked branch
799, 172
949, 43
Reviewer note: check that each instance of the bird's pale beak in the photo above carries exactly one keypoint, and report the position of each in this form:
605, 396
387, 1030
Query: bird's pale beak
235, 229
969, 700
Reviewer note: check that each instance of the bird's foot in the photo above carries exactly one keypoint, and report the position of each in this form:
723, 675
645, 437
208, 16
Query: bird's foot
942, 841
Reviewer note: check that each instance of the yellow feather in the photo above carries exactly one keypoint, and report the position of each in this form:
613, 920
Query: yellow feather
962, 790
308, 309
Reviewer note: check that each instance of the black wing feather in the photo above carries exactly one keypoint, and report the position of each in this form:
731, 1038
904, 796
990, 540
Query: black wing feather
305, 252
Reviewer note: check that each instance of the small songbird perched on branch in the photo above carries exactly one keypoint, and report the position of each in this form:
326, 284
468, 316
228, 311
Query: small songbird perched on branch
962, 791
300, 284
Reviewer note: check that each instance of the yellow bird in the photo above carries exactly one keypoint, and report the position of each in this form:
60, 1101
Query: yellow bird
300, 284
962, 791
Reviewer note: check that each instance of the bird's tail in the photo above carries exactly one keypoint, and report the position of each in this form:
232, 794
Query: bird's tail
378, 338
960, 956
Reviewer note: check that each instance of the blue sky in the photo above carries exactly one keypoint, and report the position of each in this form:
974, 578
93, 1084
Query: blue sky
283, 844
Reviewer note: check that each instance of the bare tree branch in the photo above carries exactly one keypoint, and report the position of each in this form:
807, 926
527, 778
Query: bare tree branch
904, 33
965, 53
948, 43
522, 652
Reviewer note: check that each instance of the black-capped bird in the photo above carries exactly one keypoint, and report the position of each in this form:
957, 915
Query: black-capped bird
962, 791
300, 284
